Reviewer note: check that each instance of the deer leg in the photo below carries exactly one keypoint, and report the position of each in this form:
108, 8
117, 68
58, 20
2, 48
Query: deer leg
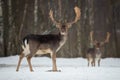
19, 62
29, 63
88, 62
91, 61
94, 62
53, 56
99, 62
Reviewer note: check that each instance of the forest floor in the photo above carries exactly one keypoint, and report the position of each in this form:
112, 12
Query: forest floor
71, 69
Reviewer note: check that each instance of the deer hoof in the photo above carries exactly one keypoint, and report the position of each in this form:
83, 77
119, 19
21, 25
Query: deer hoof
17, 70
32, 70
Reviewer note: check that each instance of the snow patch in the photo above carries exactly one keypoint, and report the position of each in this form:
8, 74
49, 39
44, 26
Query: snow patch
71, 69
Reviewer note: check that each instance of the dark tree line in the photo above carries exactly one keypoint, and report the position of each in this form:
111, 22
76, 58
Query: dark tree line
21, 17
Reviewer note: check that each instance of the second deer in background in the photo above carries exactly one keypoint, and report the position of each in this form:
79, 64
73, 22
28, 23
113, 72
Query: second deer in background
94, 52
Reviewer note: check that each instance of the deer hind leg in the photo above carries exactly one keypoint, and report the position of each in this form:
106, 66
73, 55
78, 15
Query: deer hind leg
54, 67
29, 62
19, 62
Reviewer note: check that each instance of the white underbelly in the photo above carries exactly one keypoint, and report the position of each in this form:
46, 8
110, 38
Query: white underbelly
40, 52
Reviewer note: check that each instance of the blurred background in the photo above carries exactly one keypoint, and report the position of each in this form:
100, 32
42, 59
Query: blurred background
19, 18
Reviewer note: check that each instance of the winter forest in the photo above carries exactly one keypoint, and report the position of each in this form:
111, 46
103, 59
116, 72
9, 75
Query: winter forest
86, 47
19, 18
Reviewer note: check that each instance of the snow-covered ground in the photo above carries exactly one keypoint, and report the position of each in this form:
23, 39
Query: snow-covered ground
71, 69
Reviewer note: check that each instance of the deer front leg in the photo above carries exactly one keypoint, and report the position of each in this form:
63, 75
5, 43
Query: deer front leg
93, 62
99, 62
29, 63
88, 62
19, 62
54, 67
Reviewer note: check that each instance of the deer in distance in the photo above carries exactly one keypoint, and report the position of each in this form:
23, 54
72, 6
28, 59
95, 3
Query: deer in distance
46, 44
94, 53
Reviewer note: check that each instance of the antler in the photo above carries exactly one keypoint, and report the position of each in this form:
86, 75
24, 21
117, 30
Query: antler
52, 18
108, 37
78, 13
91, 36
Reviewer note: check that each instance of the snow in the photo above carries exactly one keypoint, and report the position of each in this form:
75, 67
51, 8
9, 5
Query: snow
71, 69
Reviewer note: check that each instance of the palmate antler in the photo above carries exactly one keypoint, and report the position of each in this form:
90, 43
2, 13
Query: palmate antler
52, 18
107, 38
91, 36
91, 39
78, 14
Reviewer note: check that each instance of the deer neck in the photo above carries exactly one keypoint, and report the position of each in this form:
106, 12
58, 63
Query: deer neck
63, 37
62, 41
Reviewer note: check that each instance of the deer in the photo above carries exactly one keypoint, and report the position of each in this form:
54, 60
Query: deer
94, 53
33, 44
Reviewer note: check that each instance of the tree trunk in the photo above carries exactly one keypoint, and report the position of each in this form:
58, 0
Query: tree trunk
22, 17
5, 10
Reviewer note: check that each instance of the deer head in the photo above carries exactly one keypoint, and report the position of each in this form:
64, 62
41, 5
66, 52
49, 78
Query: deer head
63, 28
97, 43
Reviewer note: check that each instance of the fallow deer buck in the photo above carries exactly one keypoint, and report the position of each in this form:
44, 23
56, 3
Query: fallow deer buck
50, 43
94, 53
